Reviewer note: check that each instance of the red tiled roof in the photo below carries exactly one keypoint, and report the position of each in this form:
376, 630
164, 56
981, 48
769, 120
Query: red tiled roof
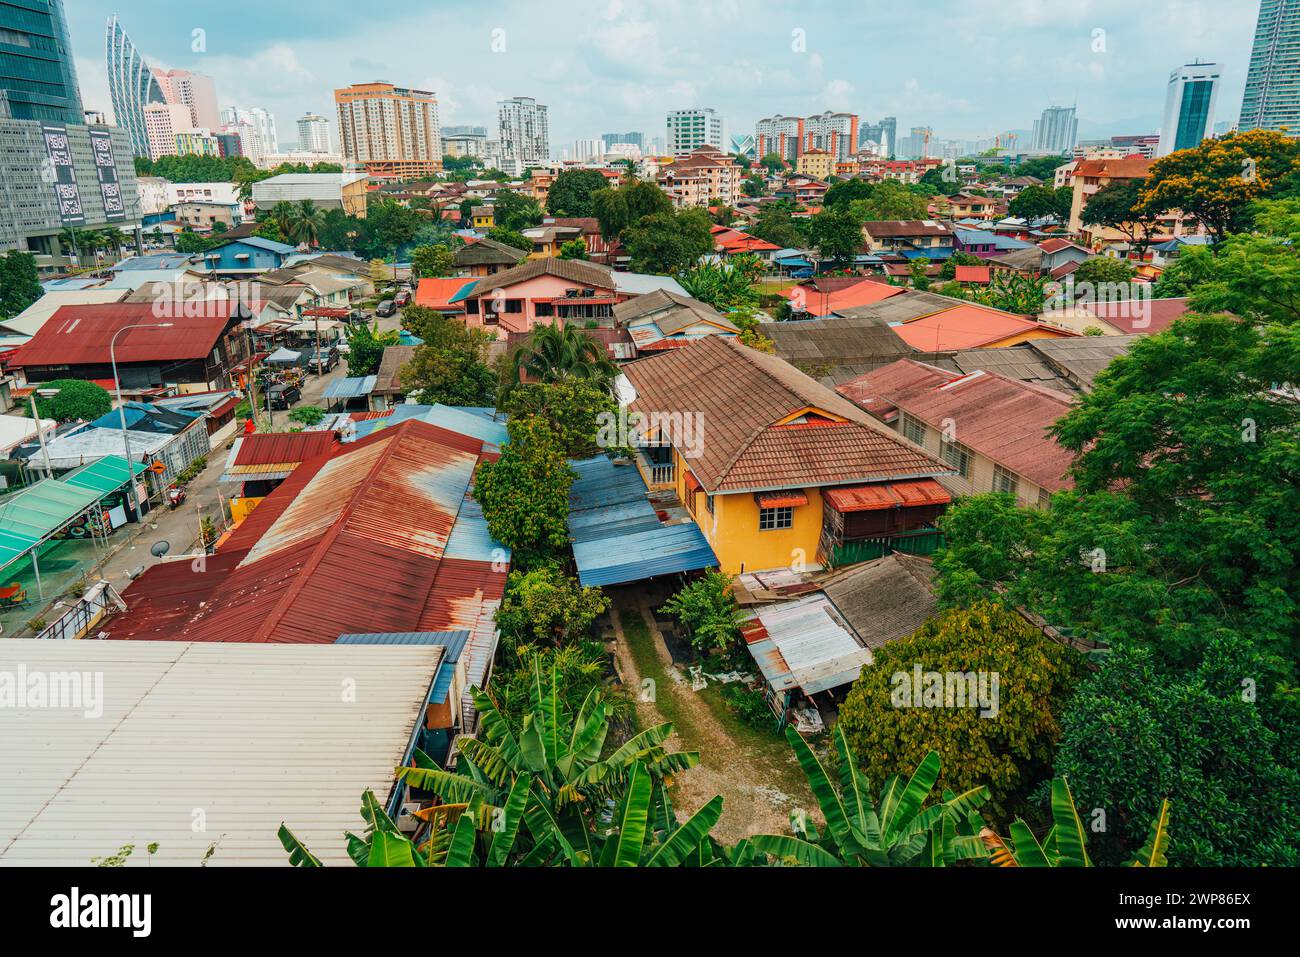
864, 293
1003, 419
1056, 244
876, 390
744, 407
866, 498
1130, 167
963, 327
1139, 315
274, 448
80, 335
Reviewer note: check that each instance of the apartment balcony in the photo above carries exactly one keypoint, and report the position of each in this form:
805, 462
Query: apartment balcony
656, 466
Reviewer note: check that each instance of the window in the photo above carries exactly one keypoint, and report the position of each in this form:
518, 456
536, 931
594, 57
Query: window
957, 456
543, 309
708, 503
514, 306
773, 518
1004, 480
1044, 498
912, 428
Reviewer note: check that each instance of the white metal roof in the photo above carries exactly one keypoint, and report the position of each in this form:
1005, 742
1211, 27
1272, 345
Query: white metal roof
236, 737
808, 645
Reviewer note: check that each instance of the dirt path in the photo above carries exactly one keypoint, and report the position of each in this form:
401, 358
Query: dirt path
760, 783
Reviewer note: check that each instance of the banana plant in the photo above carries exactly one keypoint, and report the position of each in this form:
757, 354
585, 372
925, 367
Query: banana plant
894, 831
1065, 844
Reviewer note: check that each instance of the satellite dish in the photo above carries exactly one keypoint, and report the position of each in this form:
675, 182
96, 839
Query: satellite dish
159, 549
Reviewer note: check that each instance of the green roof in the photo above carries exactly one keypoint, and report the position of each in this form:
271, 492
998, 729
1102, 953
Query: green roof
103, 475
30, 516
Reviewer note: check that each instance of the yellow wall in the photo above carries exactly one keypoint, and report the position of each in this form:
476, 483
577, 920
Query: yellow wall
1026, 336
733, 533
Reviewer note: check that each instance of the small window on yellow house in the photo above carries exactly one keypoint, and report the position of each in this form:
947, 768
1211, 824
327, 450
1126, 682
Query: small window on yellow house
774, 518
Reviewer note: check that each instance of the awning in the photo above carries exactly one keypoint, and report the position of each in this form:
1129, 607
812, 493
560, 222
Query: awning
354, 387
692, 483
103, 476
866, 498
787, 499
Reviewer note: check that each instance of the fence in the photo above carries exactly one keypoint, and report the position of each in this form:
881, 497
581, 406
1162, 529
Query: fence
86, 613
924, 541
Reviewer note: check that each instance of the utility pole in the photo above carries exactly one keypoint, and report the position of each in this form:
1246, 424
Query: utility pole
40, 433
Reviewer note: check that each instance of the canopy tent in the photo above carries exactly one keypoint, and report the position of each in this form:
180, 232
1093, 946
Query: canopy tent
31, 516
284, 357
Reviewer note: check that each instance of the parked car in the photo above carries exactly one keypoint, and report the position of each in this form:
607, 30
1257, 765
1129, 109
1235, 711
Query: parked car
358, 315
403, 298
384, 310
323, 361
282, 396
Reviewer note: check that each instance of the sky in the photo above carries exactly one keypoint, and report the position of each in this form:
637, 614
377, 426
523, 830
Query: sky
967, 69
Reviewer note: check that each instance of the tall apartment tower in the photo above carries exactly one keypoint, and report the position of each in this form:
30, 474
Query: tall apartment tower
131, 86
690, 129
1189, 106
391, 130
313, 133
1272, 97
1056, 131
37, 78
834, 133
522, 130
781, 135
195, 91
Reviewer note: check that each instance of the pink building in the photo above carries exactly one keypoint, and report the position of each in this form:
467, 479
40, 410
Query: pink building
540, 291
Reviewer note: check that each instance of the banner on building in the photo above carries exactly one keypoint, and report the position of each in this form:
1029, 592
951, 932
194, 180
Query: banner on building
60, 172
110, 188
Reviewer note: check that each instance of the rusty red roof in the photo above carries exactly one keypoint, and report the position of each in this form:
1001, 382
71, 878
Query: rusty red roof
80, 335
351, 542
274, 448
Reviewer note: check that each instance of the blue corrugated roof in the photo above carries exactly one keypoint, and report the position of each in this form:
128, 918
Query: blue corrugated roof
453, 643
474, 422
350, 388
470, 538
617, 535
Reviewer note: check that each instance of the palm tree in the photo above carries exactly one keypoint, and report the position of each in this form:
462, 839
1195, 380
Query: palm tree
283, 214
558, 352
543, 797
306, 222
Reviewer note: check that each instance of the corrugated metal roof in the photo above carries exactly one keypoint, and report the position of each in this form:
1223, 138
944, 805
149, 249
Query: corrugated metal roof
27, 517
266, 448
211, 728
350, 388
807, 646
103, 476
616, 532
80, 335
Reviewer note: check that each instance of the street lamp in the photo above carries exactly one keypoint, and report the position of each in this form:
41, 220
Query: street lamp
131, 506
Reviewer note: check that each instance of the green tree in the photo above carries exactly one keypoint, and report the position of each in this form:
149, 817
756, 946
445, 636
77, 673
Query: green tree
576, 409
556, 354
723, 286
754, 187
525, 494
1193, 266
667, 243
20, 284
708, 611
546, 607
772, 162
306, 223
572, 192
574, 249
618, 208
515, 211
1118, 206
511, 238
433, 261
836, 234
776, 226
843, 194
307, 414
390, 225
917, 274
904, 705
76, 400
366, 345
1218, 181
889, 199
1040, 202
1103, 269
1135, 736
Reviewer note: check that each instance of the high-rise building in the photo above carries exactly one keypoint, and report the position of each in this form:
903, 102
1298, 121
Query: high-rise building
195, 91
688, 130
313, 133
131, 86
522, 129
163, 122
584, 150
37, 78
1272, 97
480, 131
636, 139
916, 145
1056, 131
778, 134
882, 136
391, 130
835, 133
1189, 106
264, 120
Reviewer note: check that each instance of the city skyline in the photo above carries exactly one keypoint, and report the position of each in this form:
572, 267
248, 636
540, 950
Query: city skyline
629, 62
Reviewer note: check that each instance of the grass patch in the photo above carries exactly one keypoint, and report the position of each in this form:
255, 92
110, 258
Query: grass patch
775, 287
766, 745
641, 645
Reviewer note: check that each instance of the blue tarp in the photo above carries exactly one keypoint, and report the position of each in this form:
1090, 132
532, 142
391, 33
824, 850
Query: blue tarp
617, 535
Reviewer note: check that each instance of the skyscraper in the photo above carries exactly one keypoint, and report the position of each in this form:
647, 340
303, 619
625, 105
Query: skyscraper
636, 139
1189, 106
195, 91
313, 133
1272, 97
523, 131
690, 129
37, 77
778, 134
131, 86
883, 134
391, 130
1056, 131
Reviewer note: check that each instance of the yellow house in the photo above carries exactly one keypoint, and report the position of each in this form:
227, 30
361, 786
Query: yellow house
777, 470
816, 163
482, 217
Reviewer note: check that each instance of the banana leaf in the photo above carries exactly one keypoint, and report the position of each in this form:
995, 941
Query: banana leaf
623, 845
687, 837
1028, 852
1071, 841
299, 856
787, 848
829, 801
901, 805
1152, 853
461, 851
389, 849
512, 814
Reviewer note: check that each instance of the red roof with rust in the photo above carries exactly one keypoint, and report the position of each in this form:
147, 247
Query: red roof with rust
274, 448
80, 335
351, 542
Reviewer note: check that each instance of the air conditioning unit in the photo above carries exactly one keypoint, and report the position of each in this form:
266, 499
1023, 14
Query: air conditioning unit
406, 821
